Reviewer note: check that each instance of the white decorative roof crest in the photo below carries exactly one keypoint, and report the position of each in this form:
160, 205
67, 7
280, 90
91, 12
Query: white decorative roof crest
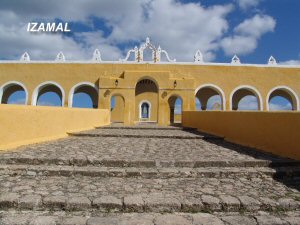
97, 55
60, 57
272, 61
139, 52
235, 60
198, 57
25, 57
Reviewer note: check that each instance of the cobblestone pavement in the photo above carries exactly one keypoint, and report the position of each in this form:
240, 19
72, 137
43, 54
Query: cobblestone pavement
138, 180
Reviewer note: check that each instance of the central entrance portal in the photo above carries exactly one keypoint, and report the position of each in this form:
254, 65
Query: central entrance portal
146, 99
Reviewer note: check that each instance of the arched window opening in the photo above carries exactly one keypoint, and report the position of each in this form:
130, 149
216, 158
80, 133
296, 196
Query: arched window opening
175, 107
210, 97
49, 95
282, 99
13, 94
246, 98
85, 96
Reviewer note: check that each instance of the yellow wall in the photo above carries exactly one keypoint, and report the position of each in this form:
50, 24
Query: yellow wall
188, 78
29, 124
275, 132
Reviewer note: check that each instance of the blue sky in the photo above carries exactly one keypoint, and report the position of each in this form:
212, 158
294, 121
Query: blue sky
252, 29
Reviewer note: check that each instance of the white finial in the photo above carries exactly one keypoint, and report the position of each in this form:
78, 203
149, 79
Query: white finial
97, 55
272, 61
147, 40
60, 57
198, 57
25, 57
235, 60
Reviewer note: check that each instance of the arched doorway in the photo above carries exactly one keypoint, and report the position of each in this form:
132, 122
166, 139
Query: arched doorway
246, 98
48, 94
282, 98
209, 97
146, 100
13, 93
175, 107
117, 106
83, 95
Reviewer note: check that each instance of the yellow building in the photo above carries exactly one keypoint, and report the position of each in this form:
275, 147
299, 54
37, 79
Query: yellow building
146, 91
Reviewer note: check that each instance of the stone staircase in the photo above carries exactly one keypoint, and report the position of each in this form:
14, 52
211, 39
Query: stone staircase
146, 174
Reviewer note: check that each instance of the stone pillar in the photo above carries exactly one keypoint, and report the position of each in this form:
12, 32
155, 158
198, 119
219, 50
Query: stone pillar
129, 109
163, 117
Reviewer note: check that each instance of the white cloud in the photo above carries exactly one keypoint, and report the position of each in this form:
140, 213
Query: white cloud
291, 62
180, 28
278, 106
247, 34
245, 4
248, 103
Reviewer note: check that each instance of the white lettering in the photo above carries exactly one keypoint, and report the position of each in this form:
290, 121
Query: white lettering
50, 27
47, 27
66, 28
59, 27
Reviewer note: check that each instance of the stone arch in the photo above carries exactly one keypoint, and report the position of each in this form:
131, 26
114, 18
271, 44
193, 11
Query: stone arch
242, 91
48, 86
87, 88
7, 89
146, 89
118, 112
171, 102
285, 92
205, 91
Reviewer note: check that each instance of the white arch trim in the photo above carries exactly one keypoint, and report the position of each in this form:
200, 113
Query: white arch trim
75, 87
11, 83
140, 108
41, 86
217, 89
253, 90
288, 90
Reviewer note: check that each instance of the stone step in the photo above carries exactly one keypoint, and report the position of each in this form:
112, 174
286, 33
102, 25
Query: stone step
142, 127
143, 163
163, 173
41, 218
132, 194
38, 218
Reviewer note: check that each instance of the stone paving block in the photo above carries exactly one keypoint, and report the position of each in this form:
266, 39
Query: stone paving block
161, 204
184, 163
170, 219
270, 220
132, 172
249, 203
55, 202
205, 219
31, 201
142, 163
293, 220
192, 205
239, 220
8, 200
14, 220
229, 203
136, 219
210, 202
268, 204
103, 221
44, 220
108, 203
288, 204
78, 203
74, 220
133, 203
